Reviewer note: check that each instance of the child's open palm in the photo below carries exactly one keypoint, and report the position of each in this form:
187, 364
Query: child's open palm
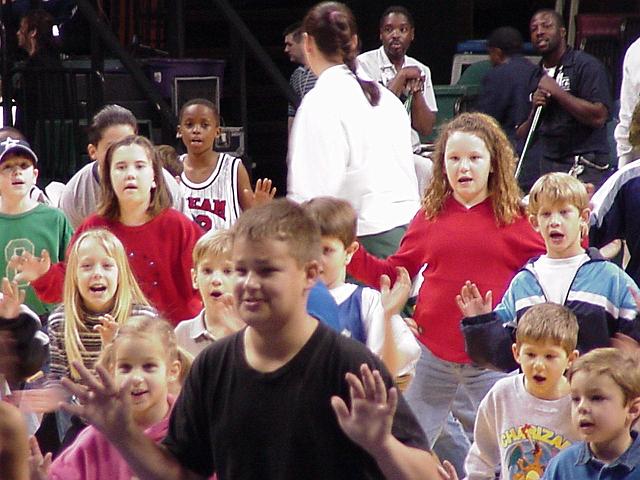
471, 303
30, 267
263, 193
12, 298
369, 421
102, 404
394, 299
107, 328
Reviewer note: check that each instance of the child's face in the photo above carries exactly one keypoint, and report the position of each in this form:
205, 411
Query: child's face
271, 287
143, 362
110, 135
199, 128
599, 411
97, 276
214, 276
132, 175
334, 261
18, 175
543, 364
468, 165
560, 225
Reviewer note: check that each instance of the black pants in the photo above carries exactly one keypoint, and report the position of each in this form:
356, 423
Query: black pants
593, 168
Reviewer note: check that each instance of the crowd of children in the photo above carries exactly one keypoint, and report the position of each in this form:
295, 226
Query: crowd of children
297, 370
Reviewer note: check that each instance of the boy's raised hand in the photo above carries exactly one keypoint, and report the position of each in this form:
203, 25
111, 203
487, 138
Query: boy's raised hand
12, 298
262, 193
369, 421
471, 303
30, 267
394, 299
102, 404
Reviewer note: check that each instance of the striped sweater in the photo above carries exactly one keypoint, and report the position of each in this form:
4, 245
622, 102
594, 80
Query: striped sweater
59, 363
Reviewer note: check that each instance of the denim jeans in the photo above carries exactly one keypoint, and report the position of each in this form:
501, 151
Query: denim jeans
433, 390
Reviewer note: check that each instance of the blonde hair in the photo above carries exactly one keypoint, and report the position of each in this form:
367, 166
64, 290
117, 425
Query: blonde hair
503, 188
155, 328
109, 205
281, 220
336, 218
622, 367
548, 322
215, 242
557, 187
127, 292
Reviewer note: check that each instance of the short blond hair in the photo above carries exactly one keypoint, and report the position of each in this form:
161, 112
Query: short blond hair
548, 322
622, 367
285, 221
557, 187
215, 242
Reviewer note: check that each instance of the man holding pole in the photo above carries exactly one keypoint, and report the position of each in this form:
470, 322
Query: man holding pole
571, 102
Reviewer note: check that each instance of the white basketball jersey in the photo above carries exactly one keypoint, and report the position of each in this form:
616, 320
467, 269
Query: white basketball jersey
214, 203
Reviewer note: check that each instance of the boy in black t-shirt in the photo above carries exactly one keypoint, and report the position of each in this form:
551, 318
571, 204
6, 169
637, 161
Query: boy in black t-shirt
267, 402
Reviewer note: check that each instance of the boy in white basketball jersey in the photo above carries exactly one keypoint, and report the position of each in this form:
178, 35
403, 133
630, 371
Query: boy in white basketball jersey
215, 185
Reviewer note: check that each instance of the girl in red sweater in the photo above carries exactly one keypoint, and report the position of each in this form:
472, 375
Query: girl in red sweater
471, 225
135, 207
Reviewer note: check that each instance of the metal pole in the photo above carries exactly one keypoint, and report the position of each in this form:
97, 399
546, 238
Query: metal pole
129, 63
532, 129
258, 50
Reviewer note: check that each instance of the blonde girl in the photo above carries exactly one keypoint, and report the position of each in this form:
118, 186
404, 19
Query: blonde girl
135, 207
143, 361
470, 225
99, 290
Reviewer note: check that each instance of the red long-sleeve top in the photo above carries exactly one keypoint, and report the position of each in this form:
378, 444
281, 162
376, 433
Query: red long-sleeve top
159, 253
459, 244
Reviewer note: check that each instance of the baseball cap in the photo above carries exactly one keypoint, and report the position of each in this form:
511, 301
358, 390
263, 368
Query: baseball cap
12, 145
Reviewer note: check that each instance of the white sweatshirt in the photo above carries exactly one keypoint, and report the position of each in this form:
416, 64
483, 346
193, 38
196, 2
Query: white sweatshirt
517, 432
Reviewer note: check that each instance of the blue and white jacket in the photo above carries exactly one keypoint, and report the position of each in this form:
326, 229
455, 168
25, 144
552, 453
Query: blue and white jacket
599, 297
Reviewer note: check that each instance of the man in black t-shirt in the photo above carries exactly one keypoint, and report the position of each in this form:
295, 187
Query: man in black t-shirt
267, 402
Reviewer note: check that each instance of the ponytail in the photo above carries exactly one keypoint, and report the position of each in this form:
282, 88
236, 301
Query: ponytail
333, 28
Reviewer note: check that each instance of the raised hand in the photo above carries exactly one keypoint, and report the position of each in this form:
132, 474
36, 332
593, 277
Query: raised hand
394, 299
107, 329
369, 421
471, 303
101, 403
447, 471
12, 298
413, 326
228, 314
38, 464
30, 267
262, 193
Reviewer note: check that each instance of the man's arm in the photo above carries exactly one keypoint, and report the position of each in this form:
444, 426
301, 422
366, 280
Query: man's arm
369, 423
593, 114
108, 409
422, 118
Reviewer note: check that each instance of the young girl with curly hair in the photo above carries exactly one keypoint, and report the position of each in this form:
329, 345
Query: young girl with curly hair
471, 225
